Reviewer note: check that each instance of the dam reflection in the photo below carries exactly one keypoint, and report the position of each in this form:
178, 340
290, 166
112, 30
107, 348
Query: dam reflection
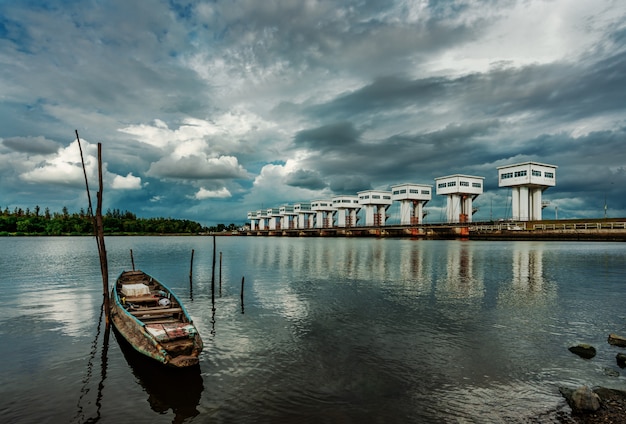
528, 284
461, 279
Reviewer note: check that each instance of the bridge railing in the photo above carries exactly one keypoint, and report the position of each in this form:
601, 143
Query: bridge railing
581, 226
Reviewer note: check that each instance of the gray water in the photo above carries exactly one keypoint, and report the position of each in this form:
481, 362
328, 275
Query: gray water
330, 330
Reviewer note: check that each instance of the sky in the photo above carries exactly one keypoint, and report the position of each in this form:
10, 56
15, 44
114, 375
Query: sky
209, 109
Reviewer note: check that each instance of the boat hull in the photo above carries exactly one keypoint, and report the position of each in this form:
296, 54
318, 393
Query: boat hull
174, 342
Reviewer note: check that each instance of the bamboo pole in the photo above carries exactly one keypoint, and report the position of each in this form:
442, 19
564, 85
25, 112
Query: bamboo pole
213, 275
100, 232
98, 225
220, 274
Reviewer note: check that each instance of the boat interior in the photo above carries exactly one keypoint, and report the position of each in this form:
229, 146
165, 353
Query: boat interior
147, 300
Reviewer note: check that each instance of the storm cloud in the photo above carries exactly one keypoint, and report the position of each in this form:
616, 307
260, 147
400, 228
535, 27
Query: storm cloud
207, 110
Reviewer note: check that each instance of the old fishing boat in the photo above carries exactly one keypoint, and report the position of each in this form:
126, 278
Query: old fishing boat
153, 320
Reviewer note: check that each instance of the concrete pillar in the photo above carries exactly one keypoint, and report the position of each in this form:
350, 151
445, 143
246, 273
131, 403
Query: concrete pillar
405, 212
353, 219
418, 211
369, 215
523, 203
467, 208
319, 219
382, 214
515, 203
453, 207
536, 204
341, 218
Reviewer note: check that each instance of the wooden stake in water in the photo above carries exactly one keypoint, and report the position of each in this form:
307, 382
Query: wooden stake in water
213, 275
132, 259
191, 275
220, 274
242, 281
191, 266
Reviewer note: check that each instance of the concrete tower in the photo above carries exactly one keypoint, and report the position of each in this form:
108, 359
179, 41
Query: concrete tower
287, 217
412, 198
527, 181
305, 215
461, 191
346, 209
273, 219
261, 219
375, 203
254, 222
323, 213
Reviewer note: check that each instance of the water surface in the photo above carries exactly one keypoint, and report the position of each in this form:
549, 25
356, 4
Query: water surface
331, 330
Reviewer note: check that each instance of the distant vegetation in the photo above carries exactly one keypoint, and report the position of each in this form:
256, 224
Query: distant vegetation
38, 222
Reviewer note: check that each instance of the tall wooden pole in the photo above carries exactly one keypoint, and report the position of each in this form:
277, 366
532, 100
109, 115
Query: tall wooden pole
104, 268
98, 225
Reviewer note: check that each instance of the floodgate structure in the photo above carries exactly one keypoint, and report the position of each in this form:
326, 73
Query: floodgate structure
366, 213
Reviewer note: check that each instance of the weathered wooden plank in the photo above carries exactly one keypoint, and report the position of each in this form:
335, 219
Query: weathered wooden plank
156, 311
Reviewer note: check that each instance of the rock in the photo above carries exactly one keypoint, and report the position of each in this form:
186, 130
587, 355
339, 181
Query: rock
621, 360
583, 350
583, 399
616, 340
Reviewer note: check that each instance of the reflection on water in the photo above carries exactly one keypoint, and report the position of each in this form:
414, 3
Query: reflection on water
84, 391
528, 284
460, 280
178, 390
334, 330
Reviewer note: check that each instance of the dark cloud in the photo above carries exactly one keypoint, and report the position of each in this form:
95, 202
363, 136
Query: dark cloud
336, 151
34, 145
349, 184
339, 135
197, 168
305, 179
357, 94
386, 93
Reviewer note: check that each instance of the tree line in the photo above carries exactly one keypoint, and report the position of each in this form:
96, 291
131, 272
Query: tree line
38, 222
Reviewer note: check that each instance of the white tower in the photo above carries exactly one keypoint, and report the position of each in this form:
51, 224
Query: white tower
375, 203
346, 209
323, 213
461, 191
254, 222
305, 215
273, 218
287, 217
527, 181
412, 198
261, 218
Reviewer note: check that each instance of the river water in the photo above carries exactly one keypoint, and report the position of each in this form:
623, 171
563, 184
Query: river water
331, 330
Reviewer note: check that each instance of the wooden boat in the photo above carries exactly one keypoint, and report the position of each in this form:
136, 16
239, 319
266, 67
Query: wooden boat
153, 320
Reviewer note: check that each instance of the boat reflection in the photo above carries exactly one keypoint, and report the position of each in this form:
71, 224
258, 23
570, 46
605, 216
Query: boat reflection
176, 389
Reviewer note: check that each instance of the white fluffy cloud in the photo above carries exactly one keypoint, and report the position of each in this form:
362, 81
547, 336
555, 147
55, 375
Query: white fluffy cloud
129, 182
65, 168
212, 194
